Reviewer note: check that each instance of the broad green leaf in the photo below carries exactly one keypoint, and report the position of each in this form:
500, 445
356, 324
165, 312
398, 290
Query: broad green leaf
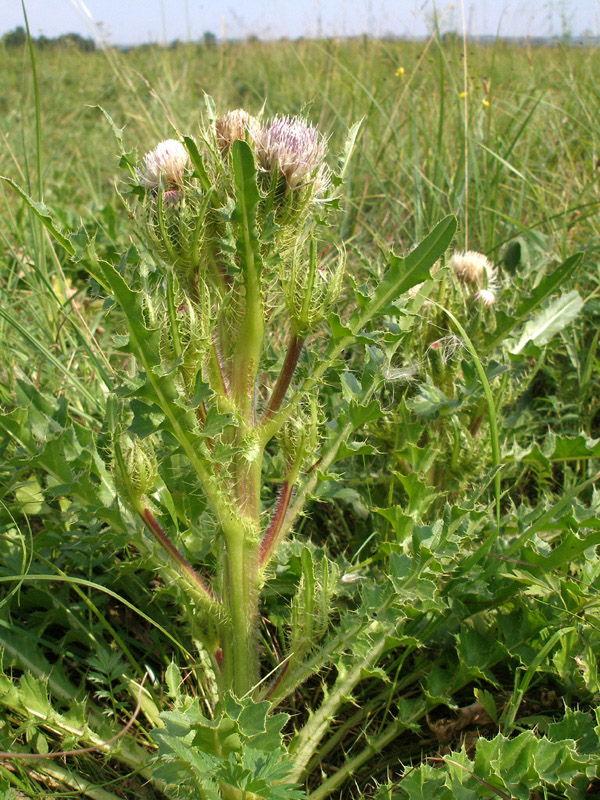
248, 196
551, 320
505, 324
403, 273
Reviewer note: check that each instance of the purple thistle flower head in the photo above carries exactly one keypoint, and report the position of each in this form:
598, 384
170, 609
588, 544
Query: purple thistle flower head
293, 147
168, 160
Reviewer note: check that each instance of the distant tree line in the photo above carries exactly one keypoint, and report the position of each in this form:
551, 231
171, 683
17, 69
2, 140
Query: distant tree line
18, 37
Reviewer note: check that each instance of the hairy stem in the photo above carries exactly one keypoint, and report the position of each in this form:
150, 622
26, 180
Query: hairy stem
182, 564
240, 639
295, 345
310, 736
272, 533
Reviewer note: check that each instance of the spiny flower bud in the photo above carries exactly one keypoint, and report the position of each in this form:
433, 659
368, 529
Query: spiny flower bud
299, 436
167, 162
294, 148
310, 288
173, 225
140, 466
234, 125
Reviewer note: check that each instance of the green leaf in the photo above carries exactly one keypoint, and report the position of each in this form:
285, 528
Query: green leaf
403, 273
196, 159
505, 324
348, 150
248, 196
551, 320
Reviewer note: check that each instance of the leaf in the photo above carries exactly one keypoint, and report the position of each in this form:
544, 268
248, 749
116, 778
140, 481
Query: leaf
349, 146
196, 159
551, 320
403, 273
42, 212
248, 196
505, 324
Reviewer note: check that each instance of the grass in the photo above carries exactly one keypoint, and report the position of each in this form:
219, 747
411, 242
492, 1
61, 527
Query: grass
500, 597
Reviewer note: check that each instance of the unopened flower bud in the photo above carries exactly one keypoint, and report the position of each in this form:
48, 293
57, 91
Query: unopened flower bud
299, 436
141, 468
234, 125
311, 288
167, 162
173, 225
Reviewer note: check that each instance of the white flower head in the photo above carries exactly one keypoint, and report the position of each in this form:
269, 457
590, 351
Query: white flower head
234, 125
296, 149
167, 161
475, 268
486, 296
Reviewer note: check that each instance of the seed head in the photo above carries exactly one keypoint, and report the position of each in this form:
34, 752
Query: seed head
234, 125
168, 160
472, 267
294, 148
486, 296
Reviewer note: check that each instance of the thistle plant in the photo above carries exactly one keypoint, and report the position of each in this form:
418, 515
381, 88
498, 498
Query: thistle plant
228, 304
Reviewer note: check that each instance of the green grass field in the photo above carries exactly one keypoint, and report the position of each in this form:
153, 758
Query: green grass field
458, 652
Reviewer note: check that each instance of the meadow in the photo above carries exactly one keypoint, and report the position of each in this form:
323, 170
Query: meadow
429, 628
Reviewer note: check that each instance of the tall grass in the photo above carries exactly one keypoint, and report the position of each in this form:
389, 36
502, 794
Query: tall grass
516, 160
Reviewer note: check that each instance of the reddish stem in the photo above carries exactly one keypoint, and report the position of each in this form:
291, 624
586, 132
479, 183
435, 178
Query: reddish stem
152, 524
290, 363
217, 355
270, 538
277, 680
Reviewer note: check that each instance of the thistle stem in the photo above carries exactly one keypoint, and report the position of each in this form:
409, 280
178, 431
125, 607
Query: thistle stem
271, 536
161, 537
240, 641
290, 363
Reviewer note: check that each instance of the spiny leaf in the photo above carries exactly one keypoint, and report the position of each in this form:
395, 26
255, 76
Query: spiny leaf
551, 320
505, 324
403, 273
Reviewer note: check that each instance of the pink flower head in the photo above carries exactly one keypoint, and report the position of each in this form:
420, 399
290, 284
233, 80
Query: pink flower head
168, 161
294, 148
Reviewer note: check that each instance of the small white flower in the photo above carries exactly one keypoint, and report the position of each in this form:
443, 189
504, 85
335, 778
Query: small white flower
296, 149
486, 296
472, 267
167, 161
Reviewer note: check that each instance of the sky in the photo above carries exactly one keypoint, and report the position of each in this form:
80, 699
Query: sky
139, 21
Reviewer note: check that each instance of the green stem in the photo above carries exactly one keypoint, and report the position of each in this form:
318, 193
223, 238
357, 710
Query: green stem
240, 640
310, 736
173, 314
374, 747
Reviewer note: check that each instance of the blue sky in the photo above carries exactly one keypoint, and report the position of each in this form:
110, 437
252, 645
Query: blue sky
137, 21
